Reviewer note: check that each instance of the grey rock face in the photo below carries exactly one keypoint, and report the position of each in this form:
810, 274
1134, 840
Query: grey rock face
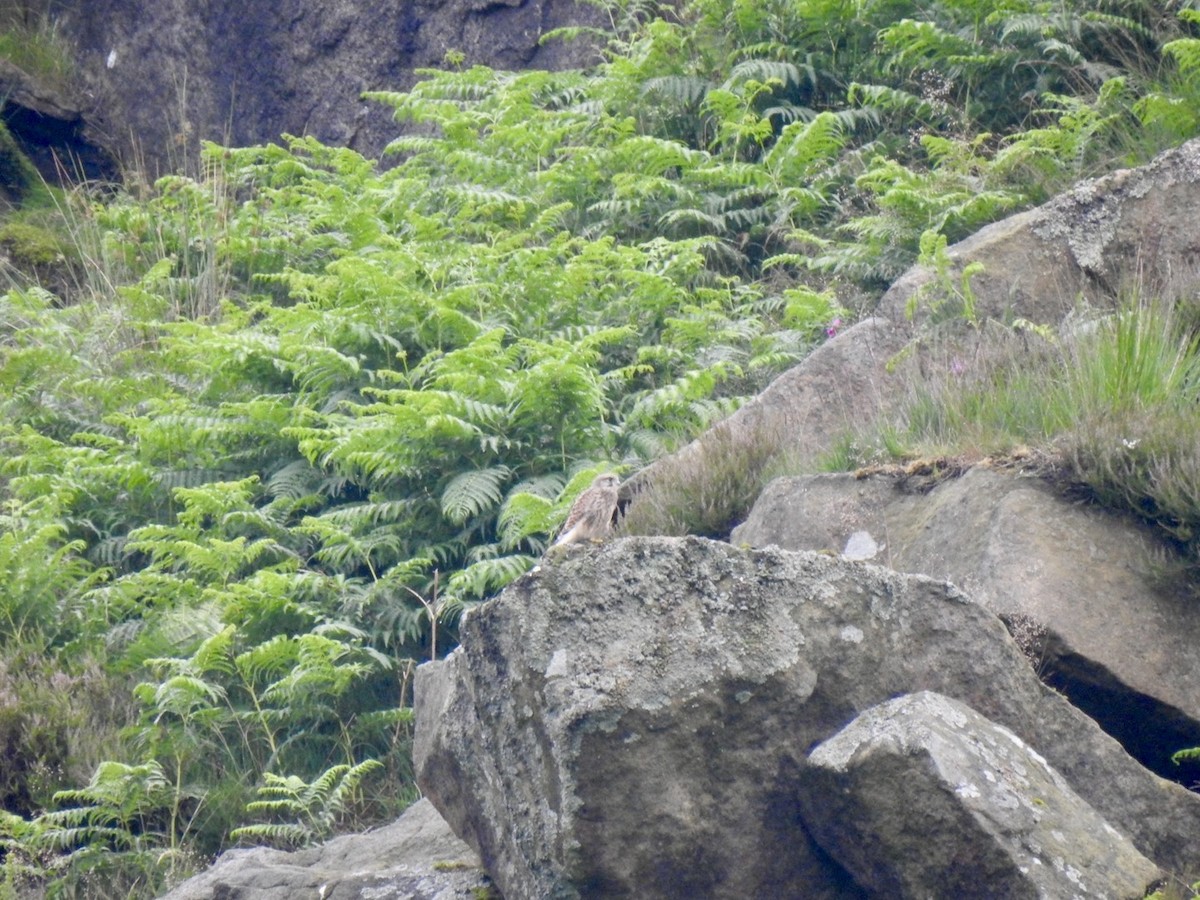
415, 858
843, 382
1106, 628
52, 129
635, 721
1128, 229
923, 797
173, 72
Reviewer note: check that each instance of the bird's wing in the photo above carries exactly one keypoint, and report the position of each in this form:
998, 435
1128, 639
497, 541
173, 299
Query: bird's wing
578, 510
574, 517
566, 536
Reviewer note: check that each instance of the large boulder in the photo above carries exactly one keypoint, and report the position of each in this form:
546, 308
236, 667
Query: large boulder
1128, 230
1083, 587
635, 720
415, 858
923, 797
844, 382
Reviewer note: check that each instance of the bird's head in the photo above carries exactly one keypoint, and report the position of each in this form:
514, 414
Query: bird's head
607, 480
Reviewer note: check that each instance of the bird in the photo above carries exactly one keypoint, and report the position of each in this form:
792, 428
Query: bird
592, 512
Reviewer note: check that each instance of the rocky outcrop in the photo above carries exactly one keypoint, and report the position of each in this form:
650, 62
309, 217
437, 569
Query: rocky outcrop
842, 384
1082, 587
1128, 230
682, 718
415, 858
1104, 235
923, 797
53, 131
637, 720
173, 72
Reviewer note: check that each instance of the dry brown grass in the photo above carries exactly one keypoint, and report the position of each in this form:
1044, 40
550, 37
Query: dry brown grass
708, 487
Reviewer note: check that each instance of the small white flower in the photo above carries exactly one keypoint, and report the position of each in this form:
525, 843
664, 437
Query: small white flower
1129, 445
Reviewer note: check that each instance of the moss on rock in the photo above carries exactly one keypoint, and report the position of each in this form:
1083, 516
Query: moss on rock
31, 246
18, 177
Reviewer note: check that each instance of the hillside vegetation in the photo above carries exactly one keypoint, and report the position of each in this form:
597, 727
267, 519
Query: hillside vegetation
267, 430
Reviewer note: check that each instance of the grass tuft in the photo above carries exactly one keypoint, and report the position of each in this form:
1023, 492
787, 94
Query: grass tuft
32, 42
1112, 398
709, 487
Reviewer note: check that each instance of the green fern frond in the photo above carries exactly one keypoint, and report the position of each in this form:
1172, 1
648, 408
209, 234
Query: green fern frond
446, 328
282, 834
686, 90
471, 494
1121, 25
1061, 50
764, 71
804, 146
268, 659
917, 40
729, 176
58, 836
295, 480
895, 100
550, 220
399, 620
477, 197
484, 578
1185, 52
646, 156
1023, 24
312, 807
526, 513
412, 144
695, 217
215, 653
1174, 114
570, 33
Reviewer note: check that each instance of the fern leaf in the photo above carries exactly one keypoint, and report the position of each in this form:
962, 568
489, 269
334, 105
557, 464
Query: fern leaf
686, 90
890, 99
802, 147
525, 514
696, 217
268, 659
764, 71
473, 493
1185, 52
484, 578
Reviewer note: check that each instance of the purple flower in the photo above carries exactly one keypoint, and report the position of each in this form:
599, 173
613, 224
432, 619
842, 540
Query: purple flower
832, 328
957, 366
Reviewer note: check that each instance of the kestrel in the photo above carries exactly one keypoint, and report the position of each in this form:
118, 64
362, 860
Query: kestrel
592, 512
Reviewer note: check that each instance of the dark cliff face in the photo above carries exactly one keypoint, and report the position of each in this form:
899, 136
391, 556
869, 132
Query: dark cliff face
162, 74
